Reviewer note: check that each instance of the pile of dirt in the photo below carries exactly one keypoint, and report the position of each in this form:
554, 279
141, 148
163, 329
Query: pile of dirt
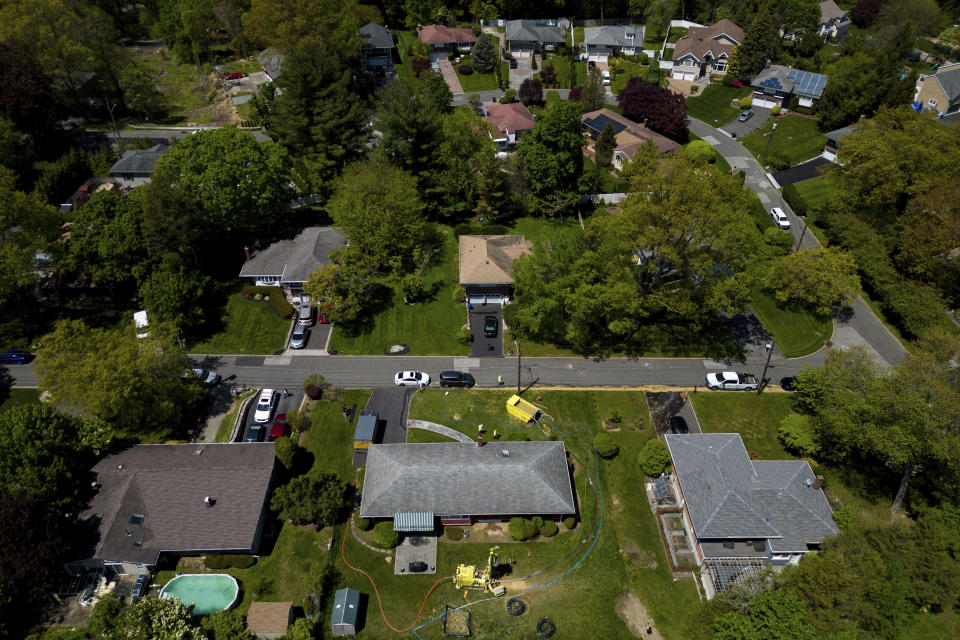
634, 613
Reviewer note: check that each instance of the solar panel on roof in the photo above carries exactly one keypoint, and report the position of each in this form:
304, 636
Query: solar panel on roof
808, 83
772, 82
600, 122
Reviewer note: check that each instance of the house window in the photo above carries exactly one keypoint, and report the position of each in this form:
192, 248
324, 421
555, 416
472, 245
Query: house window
720, 65
689, 63
932, 102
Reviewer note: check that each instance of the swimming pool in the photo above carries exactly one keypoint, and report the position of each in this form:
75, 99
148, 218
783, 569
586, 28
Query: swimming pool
208, 592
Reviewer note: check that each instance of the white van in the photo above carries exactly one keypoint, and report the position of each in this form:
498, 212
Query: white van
606, 77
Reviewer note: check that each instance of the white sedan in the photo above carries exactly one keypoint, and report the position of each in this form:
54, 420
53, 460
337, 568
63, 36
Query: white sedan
780, 218
265, 406
411, 379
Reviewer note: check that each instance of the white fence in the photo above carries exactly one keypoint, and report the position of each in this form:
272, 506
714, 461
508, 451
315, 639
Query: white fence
603, 198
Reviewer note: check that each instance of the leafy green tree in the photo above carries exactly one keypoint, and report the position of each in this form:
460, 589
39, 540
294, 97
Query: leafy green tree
484, 55
530, 92
594, 94
605, 445
286, 451
378, 207
654, 458
133, 384
470, 180
929, 232
302, 629
797, 434
282, 23
106, 615
141, 94
816, 278
658, 15
173, 294
604, 147
761, 42
859, 84
28, 98
27, 224
796, 17
552, 158
774, 615
699, 151
518, 529
348, 288
156, 619
226, 625
320, 118
316, 498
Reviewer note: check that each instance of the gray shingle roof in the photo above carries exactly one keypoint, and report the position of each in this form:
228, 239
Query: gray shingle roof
613, 36
950, 81
167, 484
271, 61
730, 496
376, 36
458, 478
530, 31
138, 161
294, 260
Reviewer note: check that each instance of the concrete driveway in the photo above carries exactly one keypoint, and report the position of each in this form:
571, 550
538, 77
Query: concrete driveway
521, 73
284, 404
450, 76
486, 347
245, 85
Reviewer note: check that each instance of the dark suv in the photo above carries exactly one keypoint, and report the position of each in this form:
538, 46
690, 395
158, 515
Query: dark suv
456, 379
490, 327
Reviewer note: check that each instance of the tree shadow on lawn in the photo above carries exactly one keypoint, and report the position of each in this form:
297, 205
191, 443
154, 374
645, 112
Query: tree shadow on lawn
380, 298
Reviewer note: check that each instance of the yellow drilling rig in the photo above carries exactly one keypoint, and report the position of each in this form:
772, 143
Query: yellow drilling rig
469, 577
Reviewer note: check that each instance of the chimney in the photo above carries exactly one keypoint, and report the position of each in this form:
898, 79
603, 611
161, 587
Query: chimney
818, 482
246, 252
766, 65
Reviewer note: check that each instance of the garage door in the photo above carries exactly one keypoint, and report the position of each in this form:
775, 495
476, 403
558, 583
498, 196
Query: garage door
683, 76
764, 104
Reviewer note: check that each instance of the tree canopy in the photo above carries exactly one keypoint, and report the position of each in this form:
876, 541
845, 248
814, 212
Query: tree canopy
661, 109
552, 158
816, 278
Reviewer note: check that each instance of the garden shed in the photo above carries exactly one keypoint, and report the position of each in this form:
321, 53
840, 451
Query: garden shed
346, 612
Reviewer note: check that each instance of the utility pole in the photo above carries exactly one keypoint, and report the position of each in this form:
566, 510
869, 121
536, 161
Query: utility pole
766, 152
763, 376
516, 343
802, 233
116, 131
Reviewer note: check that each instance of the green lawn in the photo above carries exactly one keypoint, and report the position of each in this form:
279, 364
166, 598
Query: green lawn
249, 327
12, 397
798, 332
816, 192
561, 65
630, 70
676, 33
652, 40
609, 183
755, 417
428, 328
185, 91
474, 82
796, 139
713, 105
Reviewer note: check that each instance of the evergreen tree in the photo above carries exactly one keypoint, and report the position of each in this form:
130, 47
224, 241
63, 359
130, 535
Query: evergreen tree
604, 146
761, 42
484, 56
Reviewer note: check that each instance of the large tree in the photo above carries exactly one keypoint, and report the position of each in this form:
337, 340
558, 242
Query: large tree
484, 55
134, 384
284, 23
315, 498
26, 225
160, 619
320, 118
761, 42
552, 158
27, 98
816, 278
660, 109
929, 232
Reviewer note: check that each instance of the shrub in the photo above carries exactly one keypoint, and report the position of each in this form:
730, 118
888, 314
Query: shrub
495, 229
529, 529
286, 451
453, 533
465, 336
533, 62
465, 69
537, 522
779, 240
459, 294
229, 561
385, 536
274, 296
518, 529
797, 434
575, 94
510, 95
451, 56
605, 445
654, 458
531, 91
313, 386
548, 75
843, 517
507, 55
549, 529
746, 102
775, 111
465, 229
420, 64
615, 417
570, 522
364, 524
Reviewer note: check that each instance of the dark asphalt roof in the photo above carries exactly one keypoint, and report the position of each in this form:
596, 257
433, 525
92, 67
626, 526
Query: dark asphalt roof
166, 486
376, 36
138, 160
294, 260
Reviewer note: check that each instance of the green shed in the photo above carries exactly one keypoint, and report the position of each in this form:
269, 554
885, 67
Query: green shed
346, 609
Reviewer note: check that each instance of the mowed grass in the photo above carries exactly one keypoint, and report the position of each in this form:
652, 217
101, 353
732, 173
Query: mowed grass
428, 328
185, 90
713, 105
630, 70
249, 327
628, 554
797, 138
798, 331
755, 417
816, 192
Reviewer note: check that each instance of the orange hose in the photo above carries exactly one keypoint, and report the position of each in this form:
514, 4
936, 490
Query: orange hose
377, 591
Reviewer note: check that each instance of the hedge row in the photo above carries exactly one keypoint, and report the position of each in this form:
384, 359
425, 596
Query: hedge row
229, 562
274, 298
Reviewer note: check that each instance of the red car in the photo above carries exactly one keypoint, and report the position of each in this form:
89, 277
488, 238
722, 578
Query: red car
322, 317
280, 427
236, 75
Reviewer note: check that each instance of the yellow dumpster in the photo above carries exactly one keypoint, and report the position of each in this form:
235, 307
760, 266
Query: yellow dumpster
521, 409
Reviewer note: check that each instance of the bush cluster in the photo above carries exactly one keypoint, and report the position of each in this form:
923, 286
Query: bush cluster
364, 524
654, 458
274, 298
549, 529
465, 69
521, 529
569, 522
605, 445
385, 536
229, 562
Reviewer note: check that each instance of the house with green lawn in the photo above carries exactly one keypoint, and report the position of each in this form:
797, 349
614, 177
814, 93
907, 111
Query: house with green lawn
288, 263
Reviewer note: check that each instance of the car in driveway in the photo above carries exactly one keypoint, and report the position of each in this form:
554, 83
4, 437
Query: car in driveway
746, 115
456, 379
255, 433
207, 377
780, 218
265, 405
236, 75
280, 427
731, 380
678, 425
15, 357
491, 326
513, 63
411, 379
298, 339
305, 314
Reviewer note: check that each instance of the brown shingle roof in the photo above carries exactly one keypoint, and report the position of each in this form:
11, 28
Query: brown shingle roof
702, 40
269, 617
634, 135
509, 117
489, 259
439, 34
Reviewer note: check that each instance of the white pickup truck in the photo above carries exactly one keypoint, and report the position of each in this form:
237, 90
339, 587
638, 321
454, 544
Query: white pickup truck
732, 380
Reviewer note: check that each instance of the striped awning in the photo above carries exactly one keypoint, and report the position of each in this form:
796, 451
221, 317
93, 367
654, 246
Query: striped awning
413, 521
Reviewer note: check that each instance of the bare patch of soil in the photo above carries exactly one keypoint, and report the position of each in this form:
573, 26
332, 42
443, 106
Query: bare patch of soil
634, 613
638, 555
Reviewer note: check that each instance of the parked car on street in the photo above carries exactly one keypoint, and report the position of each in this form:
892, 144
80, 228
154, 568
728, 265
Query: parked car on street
491, 326
265, 405
456, 379
255, 433
411, 379
298, 339
746, 115
789, 383
280, 427
209, 378
15, 357
780, 218
732, 380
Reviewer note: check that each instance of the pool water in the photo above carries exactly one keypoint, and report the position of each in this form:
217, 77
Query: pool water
209, 593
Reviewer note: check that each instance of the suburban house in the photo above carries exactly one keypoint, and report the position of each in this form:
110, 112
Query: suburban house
508, 123
136, 165
834, 21
834, 140
940, 91
602, 42
629, 135
377, 46
460, 483
271, 63
289, 263
269, 620
486, 263
776, 85
525, 36
172, 500
441, 38
705, 51
742, 514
